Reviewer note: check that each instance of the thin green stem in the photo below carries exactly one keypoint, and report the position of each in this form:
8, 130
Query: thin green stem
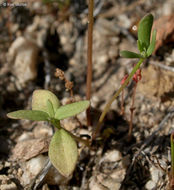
107, 107
89, 56
56, 123
122, 103
85, 142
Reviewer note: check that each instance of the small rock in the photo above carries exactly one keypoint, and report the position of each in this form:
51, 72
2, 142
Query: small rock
24, 150
23, 55
112, 156
84, 132
42, 130
109, 182
25, 136
7, 164
6, 183
150, 185
156, 175
53, 177
94, 185
124, 21
69, 124
45, 187
153, 85
32, 168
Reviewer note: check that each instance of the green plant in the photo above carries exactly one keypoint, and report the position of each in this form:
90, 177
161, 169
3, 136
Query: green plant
146, 48
46, 107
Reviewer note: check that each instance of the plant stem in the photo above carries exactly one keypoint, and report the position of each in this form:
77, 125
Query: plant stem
56, 123
89, 56
106, 109
122, 103
132, 108
85, 142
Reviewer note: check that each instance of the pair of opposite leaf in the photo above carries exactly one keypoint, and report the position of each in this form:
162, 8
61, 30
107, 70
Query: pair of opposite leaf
145, 46
63, 151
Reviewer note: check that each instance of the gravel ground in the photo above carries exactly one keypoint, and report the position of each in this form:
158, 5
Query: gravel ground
35, 39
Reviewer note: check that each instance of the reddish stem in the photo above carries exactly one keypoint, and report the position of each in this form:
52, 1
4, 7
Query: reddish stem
89, 56
122, 103
132, 108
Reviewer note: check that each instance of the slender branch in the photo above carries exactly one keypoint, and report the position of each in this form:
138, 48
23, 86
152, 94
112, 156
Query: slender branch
107, 107
89, 56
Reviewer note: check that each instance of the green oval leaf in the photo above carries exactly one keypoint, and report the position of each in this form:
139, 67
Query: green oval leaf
33, 115
63, 152
144, 31
152, 44
139, 46
50, 108
129, 54
40, 98
71, 109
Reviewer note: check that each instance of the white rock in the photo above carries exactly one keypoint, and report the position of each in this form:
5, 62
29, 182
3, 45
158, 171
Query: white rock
42, 130
112, 156
124, 21
118, 174
31, 168
150, 185
93, 185
25, 136
155, 173
109, 182
23, 55
6, 183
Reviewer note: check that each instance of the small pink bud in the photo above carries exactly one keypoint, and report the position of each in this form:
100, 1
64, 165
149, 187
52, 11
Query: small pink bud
137, 76
124, 79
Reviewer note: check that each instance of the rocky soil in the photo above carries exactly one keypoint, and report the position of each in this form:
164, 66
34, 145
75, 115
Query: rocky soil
35, 39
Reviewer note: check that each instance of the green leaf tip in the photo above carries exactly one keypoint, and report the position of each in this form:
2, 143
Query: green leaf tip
63, 152
33, 115
40, 98
50, 108
70, 110
144, 32
129, 54
152, 44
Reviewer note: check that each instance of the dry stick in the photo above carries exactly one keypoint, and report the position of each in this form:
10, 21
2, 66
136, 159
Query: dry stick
89, 56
